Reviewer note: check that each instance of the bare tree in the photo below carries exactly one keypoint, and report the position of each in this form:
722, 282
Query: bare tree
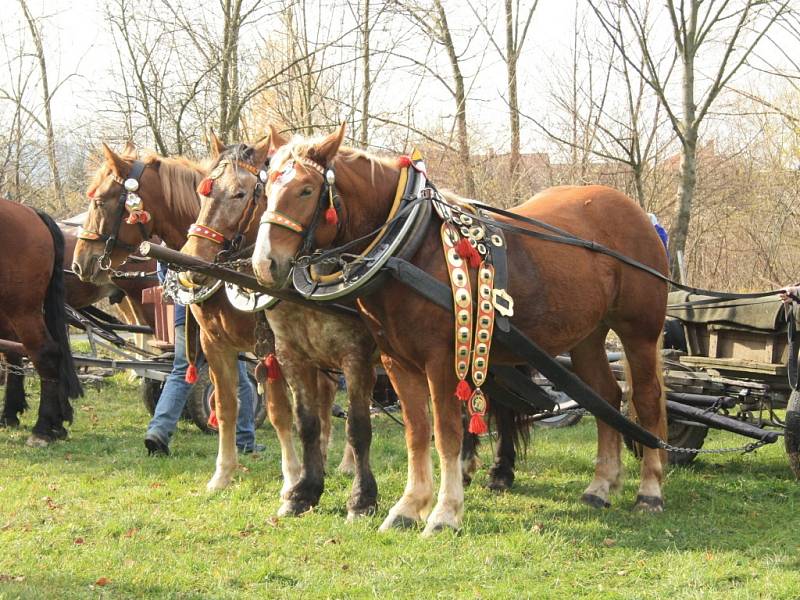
34, 27
695, 26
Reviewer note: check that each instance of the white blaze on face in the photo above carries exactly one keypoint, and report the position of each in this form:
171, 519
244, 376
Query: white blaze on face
263, 248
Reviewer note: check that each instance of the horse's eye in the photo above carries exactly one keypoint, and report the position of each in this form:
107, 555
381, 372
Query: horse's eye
307, 191
239, 195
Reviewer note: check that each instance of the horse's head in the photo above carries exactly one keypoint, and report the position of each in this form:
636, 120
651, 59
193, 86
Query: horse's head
117, 220
300, 214
232, 201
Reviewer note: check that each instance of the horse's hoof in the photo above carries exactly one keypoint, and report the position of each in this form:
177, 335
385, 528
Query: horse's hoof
499, 484
217, 484
595, 501
653, 504
354, 514
399, 522
294, 508
9, 422
347, 469
432, 529
466, 480
35, 441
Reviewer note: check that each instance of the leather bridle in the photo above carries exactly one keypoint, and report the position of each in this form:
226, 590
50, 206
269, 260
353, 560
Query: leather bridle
327, 195
127, 198
232, 244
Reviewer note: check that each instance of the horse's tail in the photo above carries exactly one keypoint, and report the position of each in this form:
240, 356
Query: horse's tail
55, 317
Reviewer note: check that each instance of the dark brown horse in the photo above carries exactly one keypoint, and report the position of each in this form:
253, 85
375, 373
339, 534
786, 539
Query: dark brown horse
125, 292
307, 341
32, 312
567, 299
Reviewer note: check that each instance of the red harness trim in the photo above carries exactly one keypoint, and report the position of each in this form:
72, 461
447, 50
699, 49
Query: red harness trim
91, 236
276, 218
205, 232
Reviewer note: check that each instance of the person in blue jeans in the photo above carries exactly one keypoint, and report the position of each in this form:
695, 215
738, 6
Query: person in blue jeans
176, 392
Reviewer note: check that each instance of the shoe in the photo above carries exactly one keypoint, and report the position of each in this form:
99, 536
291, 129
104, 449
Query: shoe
212, 422
257, 449
155, 446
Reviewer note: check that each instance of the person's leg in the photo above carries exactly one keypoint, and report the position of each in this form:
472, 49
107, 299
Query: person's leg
173, 397
245, 424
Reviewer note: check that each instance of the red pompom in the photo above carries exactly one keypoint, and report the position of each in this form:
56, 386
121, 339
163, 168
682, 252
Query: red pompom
213, 423
463, 391
91, 192
205, 187
191, 374
331, 218
468, 252
404, 161
477, 425
133, 218
273, 368
144, 217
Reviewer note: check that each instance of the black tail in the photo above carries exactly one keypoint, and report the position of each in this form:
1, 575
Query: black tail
55, 317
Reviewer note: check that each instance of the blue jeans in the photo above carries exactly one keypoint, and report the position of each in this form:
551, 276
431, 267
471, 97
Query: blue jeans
176, 391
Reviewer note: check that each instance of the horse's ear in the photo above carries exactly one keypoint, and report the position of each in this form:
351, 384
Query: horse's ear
115, 162
327, 148
129, 149
276, 138
262, 150
217, 147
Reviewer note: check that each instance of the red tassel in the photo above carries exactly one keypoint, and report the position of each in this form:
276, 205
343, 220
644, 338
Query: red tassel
133, 218
463, 391
144, 217
468, 252
273, 368
91, 192
205, 187
191, 374
213, 423
404, 161
331, 218
477, 425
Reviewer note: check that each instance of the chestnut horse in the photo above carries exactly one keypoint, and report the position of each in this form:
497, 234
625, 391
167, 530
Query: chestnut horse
566, 298
32, 312
306, 340
167, 191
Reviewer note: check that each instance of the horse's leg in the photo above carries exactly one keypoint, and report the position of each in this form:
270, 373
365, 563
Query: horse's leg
590, 363
360, 377
501, 475
326, 393
469, 452
348, 463
45, 356
417, 499
448, 431
14, 403
305, 493
279, 408
647, 397
224, 370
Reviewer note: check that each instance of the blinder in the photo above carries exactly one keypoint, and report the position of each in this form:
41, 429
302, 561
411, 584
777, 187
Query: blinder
128, 200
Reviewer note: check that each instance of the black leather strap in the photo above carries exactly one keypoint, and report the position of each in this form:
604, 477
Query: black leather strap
566, 381
500, 262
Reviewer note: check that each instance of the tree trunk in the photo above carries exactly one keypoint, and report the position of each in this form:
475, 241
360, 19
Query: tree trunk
364, 134
58, 192
513, 104
225, 66
461, 103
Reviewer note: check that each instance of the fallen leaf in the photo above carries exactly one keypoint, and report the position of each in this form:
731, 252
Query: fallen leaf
537, 528
131, 532
102, 581
4, 578
330, 541
273, 521
78, 541
621, 573
345, 567
608, 542
6, 526
156, 484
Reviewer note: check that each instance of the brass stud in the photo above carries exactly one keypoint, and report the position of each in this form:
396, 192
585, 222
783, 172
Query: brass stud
466, 219
478, 376
462, 298
461, 366
483, 335
497, 240
485, 291
463, 334
476, 232
459, 277
485, 321
481, 349
463, 317
464, 231
463, 351
480, 362
454, 258
486, 306
481, 249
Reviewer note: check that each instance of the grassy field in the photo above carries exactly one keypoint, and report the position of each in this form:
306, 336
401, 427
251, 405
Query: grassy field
94, 516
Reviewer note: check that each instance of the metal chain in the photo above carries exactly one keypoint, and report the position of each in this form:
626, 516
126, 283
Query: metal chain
14, 369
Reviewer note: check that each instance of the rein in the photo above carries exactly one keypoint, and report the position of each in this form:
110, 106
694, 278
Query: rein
127, 198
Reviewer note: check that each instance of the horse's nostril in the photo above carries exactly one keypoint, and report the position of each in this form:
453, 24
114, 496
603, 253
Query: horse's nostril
273, 270
76, 268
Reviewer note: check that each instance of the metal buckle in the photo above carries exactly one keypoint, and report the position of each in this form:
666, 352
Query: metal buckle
503, 302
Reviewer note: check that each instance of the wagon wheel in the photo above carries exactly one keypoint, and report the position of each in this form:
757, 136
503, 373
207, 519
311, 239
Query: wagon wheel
792, 434
680, 434
560, 421
151, 392
199, 403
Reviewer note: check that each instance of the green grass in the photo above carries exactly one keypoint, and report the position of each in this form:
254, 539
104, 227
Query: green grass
97, 507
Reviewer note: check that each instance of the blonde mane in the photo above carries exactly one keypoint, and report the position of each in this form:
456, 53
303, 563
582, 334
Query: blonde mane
179, 179
299, 147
